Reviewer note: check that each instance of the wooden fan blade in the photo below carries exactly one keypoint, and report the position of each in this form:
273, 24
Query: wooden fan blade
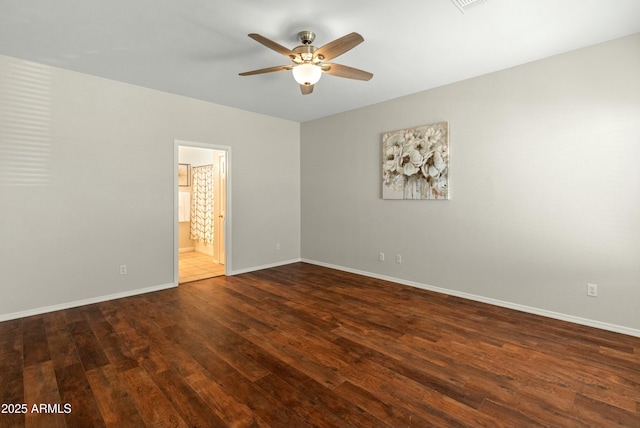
338, 46
267, 70
345, 71
273, 45
306, 89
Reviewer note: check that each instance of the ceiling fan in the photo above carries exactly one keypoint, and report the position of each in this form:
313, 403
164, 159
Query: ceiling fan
308, 62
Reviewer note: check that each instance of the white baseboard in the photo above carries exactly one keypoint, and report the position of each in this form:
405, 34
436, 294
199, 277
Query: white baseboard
186, 250
515, 306
271, 265
92, 300
74, 304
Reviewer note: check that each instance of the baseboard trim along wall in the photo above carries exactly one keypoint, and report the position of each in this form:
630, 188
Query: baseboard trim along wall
74, 304
90, 301
515, 306
271, 265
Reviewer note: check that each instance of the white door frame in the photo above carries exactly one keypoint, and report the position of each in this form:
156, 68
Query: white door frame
228, 217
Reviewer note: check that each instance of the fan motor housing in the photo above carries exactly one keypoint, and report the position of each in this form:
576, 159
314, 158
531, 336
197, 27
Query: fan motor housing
305, 52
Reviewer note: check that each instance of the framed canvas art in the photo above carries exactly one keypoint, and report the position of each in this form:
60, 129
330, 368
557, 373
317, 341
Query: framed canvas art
415, 163
184, 175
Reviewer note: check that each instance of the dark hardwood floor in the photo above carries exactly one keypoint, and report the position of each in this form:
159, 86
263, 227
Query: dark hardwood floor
302, 345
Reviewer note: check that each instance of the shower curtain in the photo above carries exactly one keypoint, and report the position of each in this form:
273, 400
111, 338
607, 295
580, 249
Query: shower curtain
202, 204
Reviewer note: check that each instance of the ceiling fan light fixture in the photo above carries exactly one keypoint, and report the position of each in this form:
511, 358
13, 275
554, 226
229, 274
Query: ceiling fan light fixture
307, 74
308, 60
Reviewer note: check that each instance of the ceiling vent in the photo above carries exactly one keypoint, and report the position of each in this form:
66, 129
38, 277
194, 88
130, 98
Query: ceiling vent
464, 5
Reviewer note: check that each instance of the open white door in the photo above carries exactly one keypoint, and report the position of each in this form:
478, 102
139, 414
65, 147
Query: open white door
222, 206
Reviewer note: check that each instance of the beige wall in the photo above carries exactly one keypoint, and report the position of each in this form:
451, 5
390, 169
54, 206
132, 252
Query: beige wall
86, 185
185, 243
544, 185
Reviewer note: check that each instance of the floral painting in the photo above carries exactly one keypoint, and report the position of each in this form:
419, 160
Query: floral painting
415, 163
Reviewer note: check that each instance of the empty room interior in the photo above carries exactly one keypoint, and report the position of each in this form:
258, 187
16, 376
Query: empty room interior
420, 213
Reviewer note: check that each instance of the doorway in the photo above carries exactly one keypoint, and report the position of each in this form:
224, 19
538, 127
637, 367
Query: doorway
201, 214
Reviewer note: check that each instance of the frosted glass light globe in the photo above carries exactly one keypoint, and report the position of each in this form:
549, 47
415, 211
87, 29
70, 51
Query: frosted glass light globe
307, 74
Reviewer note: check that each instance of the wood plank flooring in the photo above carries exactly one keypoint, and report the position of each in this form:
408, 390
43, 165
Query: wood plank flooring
301, 346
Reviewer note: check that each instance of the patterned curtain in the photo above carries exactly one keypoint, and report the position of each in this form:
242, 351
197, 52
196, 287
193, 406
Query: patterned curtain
202, 204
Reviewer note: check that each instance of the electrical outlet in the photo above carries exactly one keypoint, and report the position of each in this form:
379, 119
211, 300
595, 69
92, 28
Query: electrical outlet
381, 257
278, 246
592, 290
398, 258
123, 269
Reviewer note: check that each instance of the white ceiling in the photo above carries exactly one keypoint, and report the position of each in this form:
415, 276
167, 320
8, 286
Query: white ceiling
197, 48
